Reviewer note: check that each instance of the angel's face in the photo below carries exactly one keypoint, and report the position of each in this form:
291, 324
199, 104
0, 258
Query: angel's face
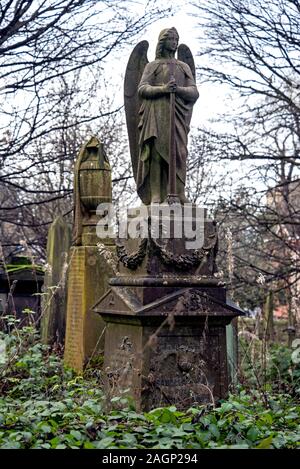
171, 42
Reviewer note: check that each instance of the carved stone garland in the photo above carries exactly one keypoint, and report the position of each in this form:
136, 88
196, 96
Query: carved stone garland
180, 261
131, 261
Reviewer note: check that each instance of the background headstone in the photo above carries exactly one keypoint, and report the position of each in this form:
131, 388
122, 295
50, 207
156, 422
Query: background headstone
53, 322
21, 284
232, 351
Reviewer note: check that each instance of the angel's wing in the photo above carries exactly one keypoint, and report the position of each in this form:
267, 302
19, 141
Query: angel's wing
184, 54
135, 67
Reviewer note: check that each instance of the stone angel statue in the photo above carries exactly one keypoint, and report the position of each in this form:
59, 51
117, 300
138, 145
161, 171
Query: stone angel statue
159, 99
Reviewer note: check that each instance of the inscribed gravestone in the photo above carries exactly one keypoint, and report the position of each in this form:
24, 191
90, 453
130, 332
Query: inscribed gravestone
53, 320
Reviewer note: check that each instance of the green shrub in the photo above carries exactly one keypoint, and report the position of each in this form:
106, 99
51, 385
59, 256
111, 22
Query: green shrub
44, 405
76, 422
269, 367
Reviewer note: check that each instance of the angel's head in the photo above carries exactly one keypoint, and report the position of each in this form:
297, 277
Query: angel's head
167, 42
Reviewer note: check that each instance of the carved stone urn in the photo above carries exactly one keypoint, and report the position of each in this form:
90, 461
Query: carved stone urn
94, 183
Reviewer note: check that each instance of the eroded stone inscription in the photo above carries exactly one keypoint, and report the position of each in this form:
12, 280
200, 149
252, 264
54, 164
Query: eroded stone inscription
120, 374
184, 370
74, 331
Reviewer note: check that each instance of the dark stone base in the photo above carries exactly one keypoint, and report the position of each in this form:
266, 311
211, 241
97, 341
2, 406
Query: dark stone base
166, 344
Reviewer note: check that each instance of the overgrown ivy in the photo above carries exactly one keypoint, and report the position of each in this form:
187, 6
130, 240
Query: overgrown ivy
44, 405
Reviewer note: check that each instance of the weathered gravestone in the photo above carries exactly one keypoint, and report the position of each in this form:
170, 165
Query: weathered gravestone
89, 270
54, 300
167, 310
21, 284
232, 351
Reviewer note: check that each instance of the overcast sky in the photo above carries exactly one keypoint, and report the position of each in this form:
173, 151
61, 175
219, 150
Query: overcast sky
212, 99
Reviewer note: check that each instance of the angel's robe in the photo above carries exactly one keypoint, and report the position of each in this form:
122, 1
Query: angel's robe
154, 123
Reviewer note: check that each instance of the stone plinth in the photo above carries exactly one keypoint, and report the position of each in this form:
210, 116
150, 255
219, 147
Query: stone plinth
168, 247
88, 278
165, 340
166, 314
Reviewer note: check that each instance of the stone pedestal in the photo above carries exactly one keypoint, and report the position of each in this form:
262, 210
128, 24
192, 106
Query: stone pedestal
166, 314
171, 350
88, 277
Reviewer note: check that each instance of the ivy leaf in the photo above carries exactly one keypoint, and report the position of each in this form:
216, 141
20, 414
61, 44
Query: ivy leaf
214, 430
267, 418
252, 434
77, 435
105, 443
265, 443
